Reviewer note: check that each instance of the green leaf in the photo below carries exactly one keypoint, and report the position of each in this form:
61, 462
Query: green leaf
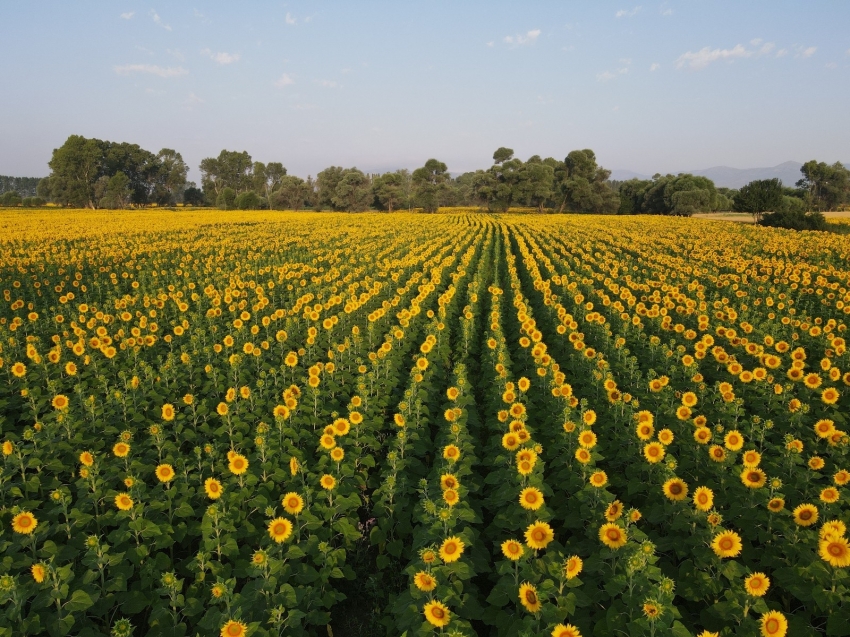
80, 600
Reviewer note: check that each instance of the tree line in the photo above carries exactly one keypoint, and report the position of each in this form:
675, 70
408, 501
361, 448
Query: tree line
93, 173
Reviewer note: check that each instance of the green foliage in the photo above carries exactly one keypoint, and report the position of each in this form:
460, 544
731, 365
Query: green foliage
760, 196
795, 219
827, 186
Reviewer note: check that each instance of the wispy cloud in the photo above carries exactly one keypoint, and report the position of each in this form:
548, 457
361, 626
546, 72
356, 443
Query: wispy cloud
284, 80
326, 83
152, 69
290, 19
606, 76
529, 37
128, 15
655, 66
626, 13
222, 57
192, 101
806, 52
158, 21
704, 57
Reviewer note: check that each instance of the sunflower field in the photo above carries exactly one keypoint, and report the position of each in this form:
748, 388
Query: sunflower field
223, 423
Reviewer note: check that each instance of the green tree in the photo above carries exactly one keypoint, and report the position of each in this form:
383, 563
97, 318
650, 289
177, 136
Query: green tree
231, 169
583, 186
75, 168
536, 183
226, 199
758, 197
171, 174
353, 192
326, 183
430, 183
828, 186
503, 154
389, 189
117, 191
267, 177
293, 193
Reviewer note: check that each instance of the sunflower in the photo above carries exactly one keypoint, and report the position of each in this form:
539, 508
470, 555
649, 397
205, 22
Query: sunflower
776, 505
587, 439
734, 440
665, 437
510, 441
614, 511
824, 428
327, 441
835, 550
708, 633
573, 566
751, 459
39, 571
598, 479
582, 455
652, 610
165, 473
645, 430
565, 630
213, 488
757, 584
435, 612
293, 465
833, 527
121, 449
293, 503
168, 411
727, 544
260, 558
341, 426
337, 454
280, 529
222, 409
612, 535
703, 498
702, 435
773, 624
531, 498
816, 463
829, 495
717, 453
806, 514
529, 598
328, 482
123, 501
841, 477
675, 489
683, 413
60, 402
538, 535
451, 549
238, 464
589, 417
234, 628
425, 581
8, 448
449, 481
86, 458
24, 523
654, 452
451, 453
753, 478
451, 497
512, 549
19, 370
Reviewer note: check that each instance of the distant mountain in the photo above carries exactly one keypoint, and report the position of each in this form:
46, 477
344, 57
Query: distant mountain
726, 177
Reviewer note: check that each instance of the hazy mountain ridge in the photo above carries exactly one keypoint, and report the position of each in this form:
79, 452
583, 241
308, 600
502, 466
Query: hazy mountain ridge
728, 177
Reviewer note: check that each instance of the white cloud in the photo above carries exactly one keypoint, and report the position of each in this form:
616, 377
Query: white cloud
831, 65
193, 100
128, 15
707, 55
655, 66
222, 57
326, 83
666, 11
284, 80
807, 53
781, 53
158, 21
176, 53
610, 75
756, 41
519, 40
491, 43
290, 19
623, 13
153, 69
766, 48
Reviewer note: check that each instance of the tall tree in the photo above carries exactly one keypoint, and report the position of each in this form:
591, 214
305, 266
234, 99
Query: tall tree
75, 168
171, 176
758, 197
430, 183
828, 186
584, 187
231, 169
353, 193
267, 177
389, 189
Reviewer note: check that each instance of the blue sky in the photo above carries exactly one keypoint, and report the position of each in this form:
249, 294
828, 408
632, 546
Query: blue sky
650, 86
